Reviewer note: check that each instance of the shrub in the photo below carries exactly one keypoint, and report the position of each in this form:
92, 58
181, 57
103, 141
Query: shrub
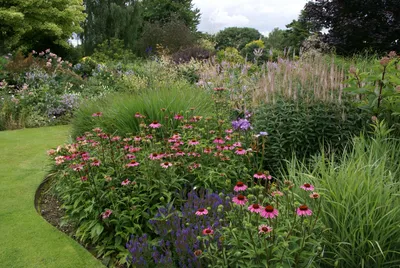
229, 54
191, 53
299, 127
361, 203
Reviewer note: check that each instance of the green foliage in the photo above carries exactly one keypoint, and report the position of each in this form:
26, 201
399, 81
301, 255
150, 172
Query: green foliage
379, 89
119, 110
31, 24
360, 199
299, 127
164, 34
276, 40
164, 11
230, 54
112, 50
255, 50
236, 37
111, 19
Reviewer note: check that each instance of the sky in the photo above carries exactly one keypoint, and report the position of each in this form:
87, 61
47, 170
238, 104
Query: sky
263, 15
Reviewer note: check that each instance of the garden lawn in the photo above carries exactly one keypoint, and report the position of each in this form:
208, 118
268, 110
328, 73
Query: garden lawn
26, 239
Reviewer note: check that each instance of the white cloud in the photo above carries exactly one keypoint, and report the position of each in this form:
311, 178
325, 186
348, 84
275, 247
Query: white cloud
264, 15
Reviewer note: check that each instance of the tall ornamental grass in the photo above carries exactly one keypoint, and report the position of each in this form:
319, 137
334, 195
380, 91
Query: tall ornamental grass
361, 201
118, 111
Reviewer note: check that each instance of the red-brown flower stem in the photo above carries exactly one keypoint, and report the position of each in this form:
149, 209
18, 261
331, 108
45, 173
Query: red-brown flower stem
381, 86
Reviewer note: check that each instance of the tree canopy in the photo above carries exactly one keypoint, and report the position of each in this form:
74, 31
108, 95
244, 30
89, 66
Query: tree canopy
236, 37
357, 25
32, 24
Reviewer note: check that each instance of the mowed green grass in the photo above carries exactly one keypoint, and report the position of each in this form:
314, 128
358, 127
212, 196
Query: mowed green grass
26, 239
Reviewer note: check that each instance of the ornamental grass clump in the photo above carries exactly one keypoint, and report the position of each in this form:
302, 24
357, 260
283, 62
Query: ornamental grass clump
361, 202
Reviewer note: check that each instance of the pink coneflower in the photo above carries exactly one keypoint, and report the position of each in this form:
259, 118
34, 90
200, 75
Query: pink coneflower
115, 138
260, 175
97, 130
134, 149
178, 117
127, 139
194, 154
208, 231
59, 159
130, 156
228, 138
201, 212
149, 137
80, 138
239, 199
139, 115
84, 178
240, 151
107, 178
95, 163
98, 114
179, 153
85, 156
219, 89
166, 164
125, 182
207, 150
51, 152
77, 167
314, 195
255, 208
154, 156
137, 138
269, 212
237, 144
155, 124
106, 213
303, 210
240, 186
187, 126
307, 187
194, 166
277, 193
196, 118
229, 131
193, 142
264, 229
219, 140
133, 163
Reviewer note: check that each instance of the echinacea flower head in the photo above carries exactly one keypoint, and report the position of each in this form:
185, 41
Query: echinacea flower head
132, 163
239, 199
277, 193
219, 89
269, 212
155, 124
240, 151
166, 164
307, 187
255, 208
84, 178
125, 182
314, 195
106, 214
193, 142
229, 131
95, 163
219, 140
139, 115
201, 212
264, 229
303, 210
240, 186
208, 231
98, 114
260, 175
178, 117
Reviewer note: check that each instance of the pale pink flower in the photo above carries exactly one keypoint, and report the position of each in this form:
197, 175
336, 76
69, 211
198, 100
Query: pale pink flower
106, 213
269, 212
133, 163
84, 178
229, 131
178, 117
97, 130
237, 144
240, 186
264, 229
314, 195
166, 165
201, 212
303, 210
95, 163
219, 140
137, 138
139, 115
155, 124
187, 126
134, 149
193, 142
130, 156
98, 114
255, 208
51, 152
207, 150
277, 193
307, 187
260, 175
179, 153
239, 199
115, 138
240, 151
125, 182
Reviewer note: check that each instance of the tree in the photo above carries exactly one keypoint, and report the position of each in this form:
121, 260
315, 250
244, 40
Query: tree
299, 30
31, 24
276, 40
356, 25
164, 11
111, 19
236, 37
